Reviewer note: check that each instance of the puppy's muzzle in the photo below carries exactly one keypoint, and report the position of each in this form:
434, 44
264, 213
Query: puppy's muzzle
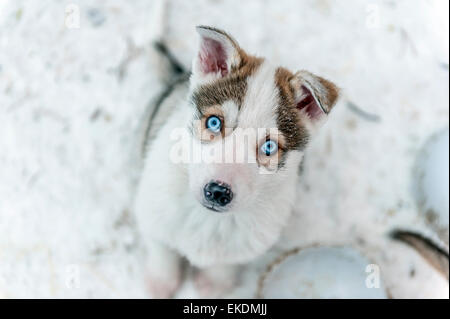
218, 194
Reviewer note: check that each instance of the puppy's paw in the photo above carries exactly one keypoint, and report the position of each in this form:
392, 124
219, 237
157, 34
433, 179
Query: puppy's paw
163, 271
210, 284
162, 288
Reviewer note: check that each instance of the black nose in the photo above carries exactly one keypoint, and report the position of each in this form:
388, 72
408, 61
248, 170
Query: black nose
218, 193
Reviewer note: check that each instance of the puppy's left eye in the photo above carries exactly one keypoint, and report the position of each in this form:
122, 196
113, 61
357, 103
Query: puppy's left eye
269, 147
214, 124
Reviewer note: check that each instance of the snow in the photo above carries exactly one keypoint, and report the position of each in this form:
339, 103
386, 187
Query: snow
71, 97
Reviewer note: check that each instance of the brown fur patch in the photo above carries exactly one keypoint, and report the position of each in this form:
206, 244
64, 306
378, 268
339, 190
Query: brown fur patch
231, 87
288, 120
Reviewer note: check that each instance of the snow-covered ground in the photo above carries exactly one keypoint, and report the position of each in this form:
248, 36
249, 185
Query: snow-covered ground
72, 92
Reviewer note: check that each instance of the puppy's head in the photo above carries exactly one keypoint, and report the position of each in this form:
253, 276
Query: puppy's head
252, 122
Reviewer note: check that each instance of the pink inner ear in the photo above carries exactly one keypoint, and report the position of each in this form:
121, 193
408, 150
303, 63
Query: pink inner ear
212, 57
309, 104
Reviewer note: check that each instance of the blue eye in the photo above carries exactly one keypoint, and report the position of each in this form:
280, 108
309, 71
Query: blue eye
269, 147
214, 124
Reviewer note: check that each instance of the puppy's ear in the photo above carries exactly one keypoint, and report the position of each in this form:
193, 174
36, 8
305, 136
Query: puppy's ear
217, 56
314, 98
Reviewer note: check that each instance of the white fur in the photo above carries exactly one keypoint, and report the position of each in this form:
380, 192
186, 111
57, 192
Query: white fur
230, 110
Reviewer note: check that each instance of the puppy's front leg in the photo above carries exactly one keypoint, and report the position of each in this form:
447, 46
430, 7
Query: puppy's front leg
163, 270
216, 281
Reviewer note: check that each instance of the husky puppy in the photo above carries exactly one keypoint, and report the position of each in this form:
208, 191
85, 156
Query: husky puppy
223, 149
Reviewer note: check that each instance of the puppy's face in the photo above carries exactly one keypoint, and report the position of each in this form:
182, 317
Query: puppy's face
251, 124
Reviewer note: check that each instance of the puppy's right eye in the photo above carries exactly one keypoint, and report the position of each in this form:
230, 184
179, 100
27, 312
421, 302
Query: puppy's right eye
214, 124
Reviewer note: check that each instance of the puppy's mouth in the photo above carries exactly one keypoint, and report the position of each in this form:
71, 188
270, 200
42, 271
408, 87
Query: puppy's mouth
214, 208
